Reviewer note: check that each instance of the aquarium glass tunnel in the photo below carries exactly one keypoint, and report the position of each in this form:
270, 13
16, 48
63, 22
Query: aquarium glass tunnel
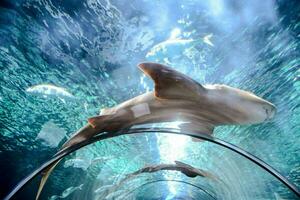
62, 62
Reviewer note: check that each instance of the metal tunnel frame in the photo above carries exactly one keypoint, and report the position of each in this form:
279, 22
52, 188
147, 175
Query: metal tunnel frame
206, 137
171, 180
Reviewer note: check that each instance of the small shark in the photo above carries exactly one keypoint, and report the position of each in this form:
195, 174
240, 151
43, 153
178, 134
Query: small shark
176, 97
184, 168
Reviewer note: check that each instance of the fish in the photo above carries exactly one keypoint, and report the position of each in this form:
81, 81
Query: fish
66, 192
48, 90
174, 47
176, 97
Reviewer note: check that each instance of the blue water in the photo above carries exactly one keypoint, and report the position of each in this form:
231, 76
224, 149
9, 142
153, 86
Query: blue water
63, 61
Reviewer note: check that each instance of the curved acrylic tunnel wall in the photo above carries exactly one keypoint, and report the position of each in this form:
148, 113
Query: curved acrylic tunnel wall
62, 61
90, 173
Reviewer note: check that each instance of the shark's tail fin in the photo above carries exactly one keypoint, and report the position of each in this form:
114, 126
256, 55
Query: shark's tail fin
45, 177
83, 134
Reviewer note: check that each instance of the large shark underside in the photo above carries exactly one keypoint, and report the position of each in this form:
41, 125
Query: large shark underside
176, 98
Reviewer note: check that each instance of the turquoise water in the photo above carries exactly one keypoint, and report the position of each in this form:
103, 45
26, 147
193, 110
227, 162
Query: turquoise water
63, 61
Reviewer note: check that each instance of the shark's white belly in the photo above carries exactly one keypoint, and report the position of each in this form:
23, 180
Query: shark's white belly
148, 109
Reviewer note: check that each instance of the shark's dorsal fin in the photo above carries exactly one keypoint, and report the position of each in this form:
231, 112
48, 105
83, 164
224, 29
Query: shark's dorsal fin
171, 84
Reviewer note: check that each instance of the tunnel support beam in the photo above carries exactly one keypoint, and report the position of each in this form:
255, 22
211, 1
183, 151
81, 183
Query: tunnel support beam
206, 137
170, 180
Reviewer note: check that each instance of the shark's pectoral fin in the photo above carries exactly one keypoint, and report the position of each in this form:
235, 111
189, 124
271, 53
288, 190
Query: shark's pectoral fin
197, 127
170, 84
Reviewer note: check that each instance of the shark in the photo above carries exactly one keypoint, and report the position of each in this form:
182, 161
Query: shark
179, 166
175, 97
